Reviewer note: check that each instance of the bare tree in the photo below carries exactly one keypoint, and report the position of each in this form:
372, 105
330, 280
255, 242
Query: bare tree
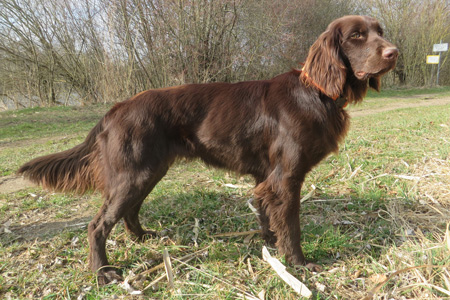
414, 26
96, 50
53, 44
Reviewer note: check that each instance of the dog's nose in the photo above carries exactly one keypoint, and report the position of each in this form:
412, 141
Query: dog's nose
390, 53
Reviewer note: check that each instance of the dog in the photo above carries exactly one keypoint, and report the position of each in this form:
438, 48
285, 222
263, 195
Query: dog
276, 130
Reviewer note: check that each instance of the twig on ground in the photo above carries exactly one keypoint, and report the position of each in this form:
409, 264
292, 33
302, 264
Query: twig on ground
240, 293
375, 289
196, 231
252, 208
293, 282
168, 267
310, 194
161, 265
239, 233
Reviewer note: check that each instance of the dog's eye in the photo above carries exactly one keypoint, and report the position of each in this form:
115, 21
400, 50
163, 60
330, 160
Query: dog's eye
356, 35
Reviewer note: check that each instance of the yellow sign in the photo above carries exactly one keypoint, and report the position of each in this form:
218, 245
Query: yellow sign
433, 59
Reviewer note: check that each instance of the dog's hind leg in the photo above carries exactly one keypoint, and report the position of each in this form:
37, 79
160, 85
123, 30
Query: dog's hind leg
131, 218
123, 197
133, 226
98, 230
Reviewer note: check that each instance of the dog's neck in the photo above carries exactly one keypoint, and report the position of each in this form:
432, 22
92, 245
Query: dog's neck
339, 100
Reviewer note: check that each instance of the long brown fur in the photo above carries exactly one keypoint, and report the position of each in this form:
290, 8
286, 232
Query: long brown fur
276, 130
70, 170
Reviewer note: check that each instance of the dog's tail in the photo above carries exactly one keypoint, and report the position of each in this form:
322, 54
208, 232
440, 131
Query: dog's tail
70, 170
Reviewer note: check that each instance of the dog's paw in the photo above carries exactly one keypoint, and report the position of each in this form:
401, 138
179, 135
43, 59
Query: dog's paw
269, 238
144, 235
313, 267
148, 234
108, 276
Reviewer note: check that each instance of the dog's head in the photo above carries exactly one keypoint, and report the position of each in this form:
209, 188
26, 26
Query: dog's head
350, 55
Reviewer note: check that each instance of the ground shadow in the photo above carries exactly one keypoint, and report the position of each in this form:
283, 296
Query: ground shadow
41, 231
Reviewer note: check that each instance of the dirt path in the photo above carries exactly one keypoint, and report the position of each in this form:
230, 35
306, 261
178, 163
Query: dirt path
11, 184
425, 100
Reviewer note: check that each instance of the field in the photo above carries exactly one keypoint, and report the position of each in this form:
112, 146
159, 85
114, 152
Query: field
375, 216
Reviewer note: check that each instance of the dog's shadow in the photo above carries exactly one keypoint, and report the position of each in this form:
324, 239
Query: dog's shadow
209, 212
331, 228
41, 231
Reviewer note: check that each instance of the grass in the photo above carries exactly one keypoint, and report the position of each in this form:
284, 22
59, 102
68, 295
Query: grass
39, 122
378, 207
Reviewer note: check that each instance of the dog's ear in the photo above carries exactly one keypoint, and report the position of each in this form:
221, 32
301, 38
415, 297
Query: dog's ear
324, 64
375, 83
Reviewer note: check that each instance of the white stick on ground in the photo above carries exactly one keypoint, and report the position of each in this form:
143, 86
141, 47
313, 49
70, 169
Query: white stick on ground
293, 282
168, 267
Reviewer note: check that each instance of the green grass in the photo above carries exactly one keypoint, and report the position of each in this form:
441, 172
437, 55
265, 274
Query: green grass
38, 122
51, 129
366, 218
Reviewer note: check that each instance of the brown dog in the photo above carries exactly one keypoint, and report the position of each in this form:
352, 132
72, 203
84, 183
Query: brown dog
275, 130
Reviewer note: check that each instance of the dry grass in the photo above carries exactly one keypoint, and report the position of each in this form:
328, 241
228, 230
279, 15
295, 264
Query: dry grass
433, 181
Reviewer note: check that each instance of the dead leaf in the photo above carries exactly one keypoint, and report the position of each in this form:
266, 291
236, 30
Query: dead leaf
356, 275
320, 287
377, 278
248, 239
